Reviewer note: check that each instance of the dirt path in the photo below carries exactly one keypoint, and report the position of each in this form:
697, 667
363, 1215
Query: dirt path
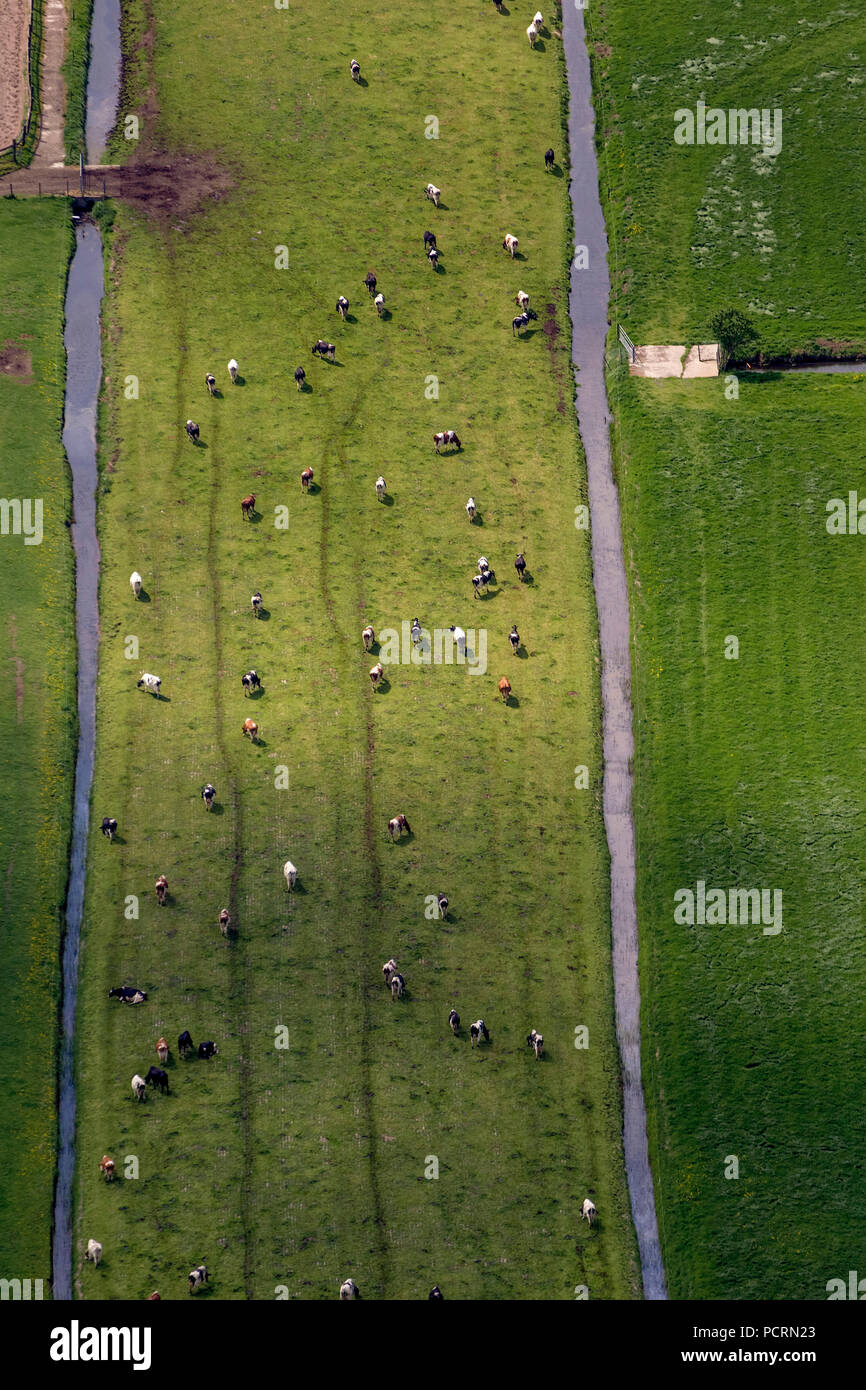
14, 86
590, 292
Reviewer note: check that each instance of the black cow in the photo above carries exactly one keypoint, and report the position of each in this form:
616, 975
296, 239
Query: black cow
370, 282
192, 430
128, 993
300, 376
157, 1077
429, 240
185, 1044
454, 1020
549, 158
442, 904
109, 826
520, 566
207, 1049
250, 682
210, 382
435, 1292
208, 796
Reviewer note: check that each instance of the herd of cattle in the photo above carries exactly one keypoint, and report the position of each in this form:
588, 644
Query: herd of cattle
157, 1077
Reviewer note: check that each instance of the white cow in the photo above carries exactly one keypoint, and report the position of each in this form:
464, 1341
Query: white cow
588, 1210
531, 35
93, 1251
233, 370
376, 673
290, 874
397, 984
389, 969
151, 683
139, 1089
538, 21
135, 582
433, 193
522, 300
510, 243
470, 508
380, 488
379, 302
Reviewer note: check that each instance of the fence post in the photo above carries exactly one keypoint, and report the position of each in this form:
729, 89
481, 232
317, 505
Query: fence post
14, 152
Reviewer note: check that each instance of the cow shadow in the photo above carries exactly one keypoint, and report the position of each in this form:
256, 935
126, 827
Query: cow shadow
387, 500
443, 207
350, 318
385, 314
406, 838
143, 596
216, 394
256, 694
254, 517
439, 269
477, 520
521, 653
239, 381
117, 839
539, 45
525, 334
163, 699
512, 702
518, 256
217, 809
306, 389
199, 444
362, 81
557, 171
264, 616
258, 741
383, 687
527, 578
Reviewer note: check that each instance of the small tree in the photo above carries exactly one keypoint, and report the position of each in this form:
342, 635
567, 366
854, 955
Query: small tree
735, 333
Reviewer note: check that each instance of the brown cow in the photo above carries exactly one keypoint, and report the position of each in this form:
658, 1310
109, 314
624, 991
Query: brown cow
505, 690
306, 479
251, 728
106, 1168
248, 506
224, 920
161, 889
376, 673
162, 1050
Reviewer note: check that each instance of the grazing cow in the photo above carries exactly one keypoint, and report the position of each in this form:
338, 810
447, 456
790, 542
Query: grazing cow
210, 383
442, 904
208, 796
433, 193
398, 984
518, 324
549, 159
290, 874
109, 826
535, 1041
429, 240
251, 682
306, 479
379, 302
93, 1251
151, 683
498, 4
520, 566
162, 1051
300, 377
514, 638
483, 565
505, 689
348, 1290
480, 582
531, 35
256, 603
139, 1089
185, 1043
197, 1277
522, 299
388, 969
454, 1022
435, 1292
251, 728
538, 21
206, 1050
192, 431
588, 1210
355, 69
376, 673
157, 1077
342, 306
416, 633
370, 282
380, 488
151, 1296
459, 637
106, 1168
224, 921
368, 637
248, 506
128, 994
233, 370
470, 508
323, 349
433, 257
135, 583
477, 1031
510, 244
446, 437
161, 886
396, 826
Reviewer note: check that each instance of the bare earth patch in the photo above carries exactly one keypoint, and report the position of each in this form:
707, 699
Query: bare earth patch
14, 68
16, 362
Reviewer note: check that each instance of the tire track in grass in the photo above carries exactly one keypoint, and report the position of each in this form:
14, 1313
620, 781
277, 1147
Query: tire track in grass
238, 961
337, 441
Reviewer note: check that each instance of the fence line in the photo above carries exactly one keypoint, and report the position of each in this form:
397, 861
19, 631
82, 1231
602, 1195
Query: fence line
29, 137
626, 341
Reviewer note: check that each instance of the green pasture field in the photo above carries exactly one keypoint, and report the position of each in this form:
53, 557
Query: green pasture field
288, 1168
37, 719
75, 68
696, 228
748, 773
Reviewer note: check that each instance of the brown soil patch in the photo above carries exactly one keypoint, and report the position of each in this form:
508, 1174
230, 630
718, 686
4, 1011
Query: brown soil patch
16, 362
603, 50
14, 68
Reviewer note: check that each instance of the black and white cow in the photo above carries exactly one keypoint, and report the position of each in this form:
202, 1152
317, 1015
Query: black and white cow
442, 904
535, 1041
197, 1277
192, 431
300, 377
518, 324
514, 638
109, 826
128, 994
324, 349
207, 1049
208, 796
250, 682
477, 1031
454, 1022
370, 282
342, 306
